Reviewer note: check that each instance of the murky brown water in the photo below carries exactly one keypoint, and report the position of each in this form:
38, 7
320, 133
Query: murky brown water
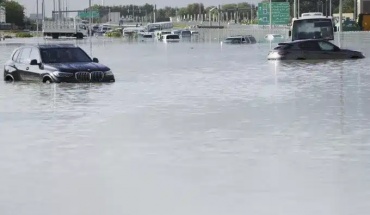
189, 128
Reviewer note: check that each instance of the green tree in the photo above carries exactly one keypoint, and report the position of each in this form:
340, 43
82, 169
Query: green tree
14, 12
348, 7
195, 8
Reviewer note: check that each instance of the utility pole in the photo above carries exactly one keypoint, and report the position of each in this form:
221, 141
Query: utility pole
60, 13
90, 28
340, 22
340, 15
219, 18
200, 12
330, 12
154, 13
355, 10
295, 9
270, 16
37, 16
251, 13
53, 14
298, 8
109, 18
43, 13
322, 7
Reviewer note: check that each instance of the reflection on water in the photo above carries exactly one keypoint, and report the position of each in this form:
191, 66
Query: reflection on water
189, 128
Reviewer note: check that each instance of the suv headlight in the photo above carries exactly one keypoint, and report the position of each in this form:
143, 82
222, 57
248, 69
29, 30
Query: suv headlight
62, 74
108, 73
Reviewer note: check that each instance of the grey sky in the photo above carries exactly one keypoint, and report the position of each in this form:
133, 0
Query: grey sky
30, 5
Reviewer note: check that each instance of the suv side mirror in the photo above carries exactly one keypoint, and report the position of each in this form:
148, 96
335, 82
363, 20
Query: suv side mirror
95, 60
34, 62
290, 33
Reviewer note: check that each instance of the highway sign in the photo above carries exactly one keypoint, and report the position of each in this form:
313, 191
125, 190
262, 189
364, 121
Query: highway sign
280, 13
87, 14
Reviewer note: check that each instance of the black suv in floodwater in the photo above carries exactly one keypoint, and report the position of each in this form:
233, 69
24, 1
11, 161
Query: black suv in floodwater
55, 63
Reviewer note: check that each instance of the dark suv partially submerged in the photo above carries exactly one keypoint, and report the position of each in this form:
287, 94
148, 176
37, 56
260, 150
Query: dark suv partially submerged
55, 63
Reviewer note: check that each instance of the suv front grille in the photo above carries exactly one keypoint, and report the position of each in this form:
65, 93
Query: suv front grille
89, 77
97, 76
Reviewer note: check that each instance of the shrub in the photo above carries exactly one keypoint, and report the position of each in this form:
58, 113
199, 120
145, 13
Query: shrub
23, 35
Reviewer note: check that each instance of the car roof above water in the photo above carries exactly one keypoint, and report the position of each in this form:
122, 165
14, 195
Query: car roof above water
46, 46
50, 46
301, 41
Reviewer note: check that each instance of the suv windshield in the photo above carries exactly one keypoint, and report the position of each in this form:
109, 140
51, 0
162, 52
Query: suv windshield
233, 40
64, 55
252, 39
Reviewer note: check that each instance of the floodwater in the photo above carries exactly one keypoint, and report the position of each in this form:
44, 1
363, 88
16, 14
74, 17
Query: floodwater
189, 128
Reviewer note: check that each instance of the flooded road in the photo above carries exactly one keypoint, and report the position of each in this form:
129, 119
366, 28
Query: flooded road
189, 128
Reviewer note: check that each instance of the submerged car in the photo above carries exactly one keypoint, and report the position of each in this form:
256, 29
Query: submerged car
311, 49
240, 39
55, 63
274, 38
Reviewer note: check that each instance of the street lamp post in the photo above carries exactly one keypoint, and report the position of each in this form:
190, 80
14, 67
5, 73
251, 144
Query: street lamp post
270, 16
90, 28
295, 8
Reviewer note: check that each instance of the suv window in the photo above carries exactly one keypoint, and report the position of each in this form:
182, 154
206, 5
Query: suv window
283, 47
35, 55
15, 55
252, 39
25, 55
326, 46
309, 46
64, 55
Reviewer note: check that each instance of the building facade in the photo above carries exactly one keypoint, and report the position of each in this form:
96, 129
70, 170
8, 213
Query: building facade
363, 6
2, 15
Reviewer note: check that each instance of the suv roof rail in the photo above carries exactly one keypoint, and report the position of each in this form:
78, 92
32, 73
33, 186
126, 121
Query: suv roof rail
62, 45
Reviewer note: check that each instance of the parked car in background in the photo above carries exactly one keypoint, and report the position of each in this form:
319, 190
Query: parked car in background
275, 38
240, 39
171, 38
55, 63
311, 49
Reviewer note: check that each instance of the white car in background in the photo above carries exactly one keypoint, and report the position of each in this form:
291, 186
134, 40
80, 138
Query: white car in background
274, 38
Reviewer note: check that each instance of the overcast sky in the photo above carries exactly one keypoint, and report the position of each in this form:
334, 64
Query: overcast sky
30, 5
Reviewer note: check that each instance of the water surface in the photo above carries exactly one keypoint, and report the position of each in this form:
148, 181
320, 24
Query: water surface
189, 128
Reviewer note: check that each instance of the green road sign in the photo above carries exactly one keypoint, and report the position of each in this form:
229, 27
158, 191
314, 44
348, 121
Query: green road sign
86, 15
280, 13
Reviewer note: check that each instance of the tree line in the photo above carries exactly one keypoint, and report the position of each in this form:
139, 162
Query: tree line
14, 12
164, 14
